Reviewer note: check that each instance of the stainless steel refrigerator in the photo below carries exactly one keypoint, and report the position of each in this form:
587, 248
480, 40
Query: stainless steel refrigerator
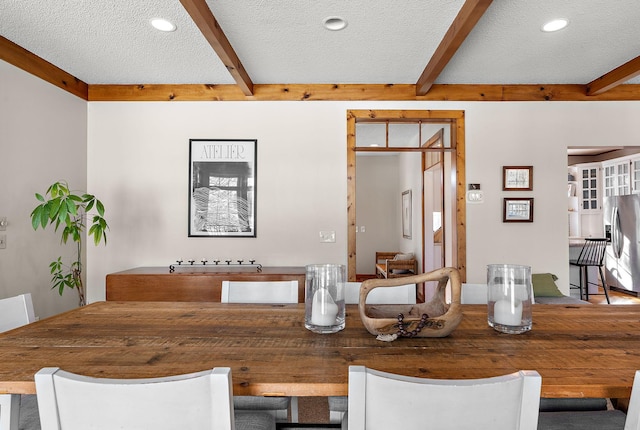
622, 261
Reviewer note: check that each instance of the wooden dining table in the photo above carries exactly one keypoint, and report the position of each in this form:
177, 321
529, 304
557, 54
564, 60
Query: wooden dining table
579, 350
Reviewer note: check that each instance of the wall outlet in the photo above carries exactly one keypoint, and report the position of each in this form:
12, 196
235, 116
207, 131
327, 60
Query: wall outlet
3, 241
327, 236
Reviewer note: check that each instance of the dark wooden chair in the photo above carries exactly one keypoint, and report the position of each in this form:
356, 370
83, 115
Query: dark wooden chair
592, 255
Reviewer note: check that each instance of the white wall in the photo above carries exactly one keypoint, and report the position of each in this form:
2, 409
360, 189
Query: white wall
42, 139
138, 163
411, 179
377, 208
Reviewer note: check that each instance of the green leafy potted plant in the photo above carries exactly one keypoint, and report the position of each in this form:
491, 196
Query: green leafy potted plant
62, 207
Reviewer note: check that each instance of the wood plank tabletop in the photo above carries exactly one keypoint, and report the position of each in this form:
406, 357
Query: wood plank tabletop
580, 351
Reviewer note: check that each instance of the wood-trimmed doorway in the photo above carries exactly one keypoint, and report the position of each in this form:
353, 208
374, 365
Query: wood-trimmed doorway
455, 181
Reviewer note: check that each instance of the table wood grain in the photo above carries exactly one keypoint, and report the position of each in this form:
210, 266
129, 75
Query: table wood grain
580, 351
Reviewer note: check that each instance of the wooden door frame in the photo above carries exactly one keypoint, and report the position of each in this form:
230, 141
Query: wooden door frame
438, 137
456, 120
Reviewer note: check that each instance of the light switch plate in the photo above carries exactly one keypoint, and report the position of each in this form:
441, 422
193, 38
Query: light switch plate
327, 236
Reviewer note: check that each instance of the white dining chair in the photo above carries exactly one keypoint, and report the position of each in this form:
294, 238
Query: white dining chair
201, 400
476, 294
473, 294
606, 419
259, 292
14, 312
399, 295
382, 401
275, 292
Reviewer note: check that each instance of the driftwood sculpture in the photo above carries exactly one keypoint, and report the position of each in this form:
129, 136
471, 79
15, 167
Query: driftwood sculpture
435, 318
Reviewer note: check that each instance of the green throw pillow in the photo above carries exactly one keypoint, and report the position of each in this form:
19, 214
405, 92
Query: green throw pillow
544, 285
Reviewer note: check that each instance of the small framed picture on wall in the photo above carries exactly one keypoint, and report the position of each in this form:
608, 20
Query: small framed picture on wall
517, 178
517, 209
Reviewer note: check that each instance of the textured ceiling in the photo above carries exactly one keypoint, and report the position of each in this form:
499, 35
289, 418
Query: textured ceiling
283, 41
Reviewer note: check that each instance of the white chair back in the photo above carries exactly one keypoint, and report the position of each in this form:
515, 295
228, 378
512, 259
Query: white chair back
473, 294
382, 401
633, 411
476, 294
196, 401
399, 295
260, 292
16, 311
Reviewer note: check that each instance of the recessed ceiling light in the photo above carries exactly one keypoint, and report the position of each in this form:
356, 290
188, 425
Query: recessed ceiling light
163, 25
555, 25
334, 23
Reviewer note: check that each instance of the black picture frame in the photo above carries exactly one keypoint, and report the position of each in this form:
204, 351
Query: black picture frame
222, 187
517, 209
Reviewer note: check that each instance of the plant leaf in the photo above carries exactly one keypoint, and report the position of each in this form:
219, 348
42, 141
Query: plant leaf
35, 217
72, 207
100, 207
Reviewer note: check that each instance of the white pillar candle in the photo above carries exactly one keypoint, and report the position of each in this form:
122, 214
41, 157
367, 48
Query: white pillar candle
508, 312
323, 309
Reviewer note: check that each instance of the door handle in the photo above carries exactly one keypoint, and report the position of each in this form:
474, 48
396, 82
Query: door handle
616, 233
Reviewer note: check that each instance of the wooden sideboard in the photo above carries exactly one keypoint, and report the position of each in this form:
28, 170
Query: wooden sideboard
191, 283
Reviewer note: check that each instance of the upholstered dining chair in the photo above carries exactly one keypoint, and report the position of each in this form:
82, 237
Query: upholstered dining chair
259, 292
202, 400
15, 312
605, 419
402, 294
382, 401
276, 292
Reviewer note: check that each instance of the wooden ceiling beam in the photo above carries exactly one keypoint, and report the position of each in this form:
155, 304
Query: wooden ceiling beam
208, 25
468, 16
31, 63
617, 76
357, 92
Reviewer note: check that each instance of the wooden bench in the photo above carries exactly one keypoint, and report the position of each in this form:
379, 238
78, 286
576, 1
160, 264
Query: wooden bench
387, 267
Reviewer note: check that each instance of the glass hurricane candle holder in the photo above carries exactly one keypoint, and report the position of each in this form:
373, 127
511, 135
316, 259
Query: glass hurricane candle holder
509, 298
324, 298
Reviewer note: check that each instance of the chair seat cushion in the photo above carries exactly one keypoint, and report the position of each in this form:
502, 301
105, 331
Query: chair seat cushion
29, 415
589, 420
338, 403
254, 420
258, 403
572, 404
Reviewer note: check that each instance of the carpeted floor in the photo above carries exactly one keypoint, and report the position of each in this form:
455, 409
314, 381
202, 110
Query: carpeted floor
313, 413
313, 410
